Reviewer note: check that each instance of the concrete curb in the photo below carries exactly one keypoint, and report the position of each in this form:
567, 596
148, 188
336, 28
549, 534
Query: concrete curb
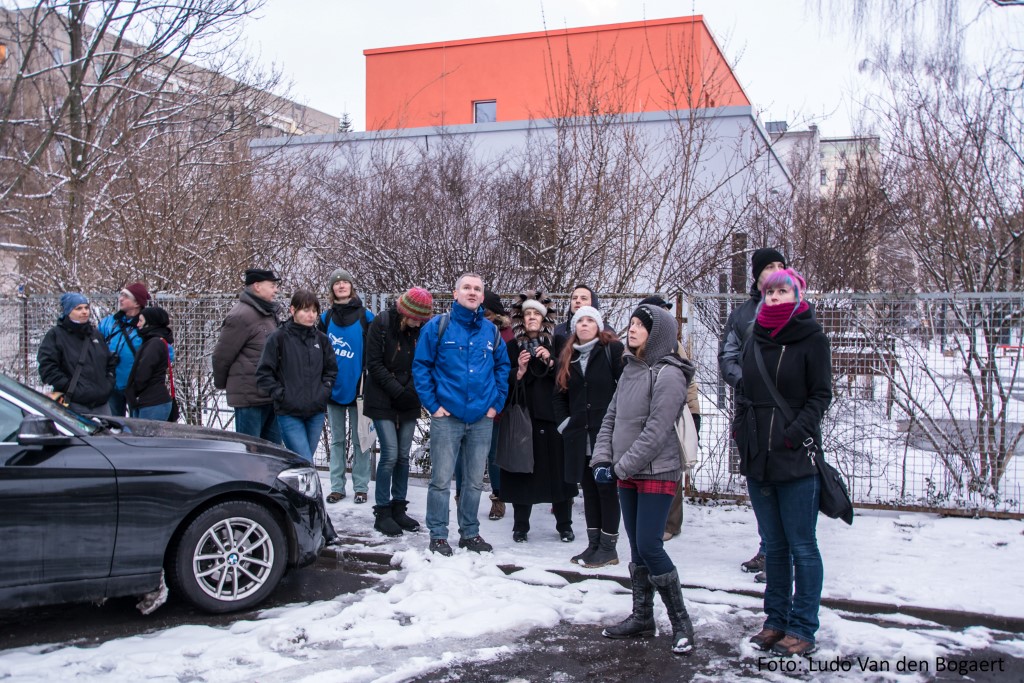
949, 618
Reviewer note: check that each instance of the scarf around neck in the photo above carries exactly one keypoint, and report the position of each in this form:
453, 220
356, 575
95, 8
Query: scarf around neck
774, 318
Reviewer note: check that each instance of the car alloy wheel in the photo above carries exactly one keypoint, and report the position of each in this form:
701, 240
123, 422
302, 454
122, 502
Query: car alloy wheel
230, 557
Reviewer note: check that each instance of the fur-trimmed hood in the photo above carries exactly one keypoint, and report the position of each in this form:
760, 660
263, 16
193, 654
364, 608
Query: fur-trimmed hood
547, 329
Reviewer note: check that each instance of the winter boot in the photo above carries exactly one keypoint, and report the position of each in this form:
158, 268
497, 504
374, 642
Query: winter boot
593, 538
639, 624
398, 508
605, 553
497, 508
384, 523
672, 595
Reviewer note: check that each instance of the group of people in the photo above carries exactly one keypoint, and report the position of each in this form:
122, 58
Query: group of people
117, 367
601, 412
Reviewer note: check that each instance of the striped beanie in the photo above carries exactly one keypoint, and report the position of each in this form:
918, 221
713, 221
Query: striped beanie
416, 304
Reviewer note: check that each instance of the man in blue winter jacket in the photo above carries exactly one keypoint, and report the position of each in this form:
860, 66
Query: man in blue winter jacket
121, 333
460, 371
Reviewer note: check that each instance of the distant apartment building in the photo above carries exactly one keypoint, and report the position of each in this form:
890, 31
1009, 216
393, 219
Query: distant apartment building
824, 164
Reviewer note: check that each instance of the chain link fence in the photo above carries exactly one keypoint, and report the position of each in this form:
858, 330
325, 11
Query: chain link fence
927, 410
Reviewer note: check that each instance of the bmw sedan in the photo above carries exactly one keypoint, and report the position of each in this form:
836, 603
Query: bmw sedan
104, 507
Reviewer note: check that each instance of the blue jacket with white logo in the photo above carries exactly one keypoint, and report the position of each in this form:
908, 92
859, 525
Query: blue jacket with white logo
347, 342
466, 371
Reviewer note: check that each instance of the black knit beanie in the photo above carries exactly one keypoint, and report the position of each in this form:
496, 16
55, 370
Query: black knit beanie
645, 317
761, 258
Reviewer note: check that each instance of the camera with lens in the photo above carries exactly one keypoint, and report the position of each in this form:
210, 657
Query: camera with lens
532, 345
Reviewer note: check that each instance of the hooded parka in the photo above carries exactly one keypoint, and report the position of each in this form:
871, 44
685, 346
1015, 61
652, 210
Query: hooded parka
297, 370
58, 357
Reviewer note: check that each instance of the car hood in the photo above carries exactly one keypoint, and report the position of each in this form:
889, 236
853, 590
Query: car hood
173, 430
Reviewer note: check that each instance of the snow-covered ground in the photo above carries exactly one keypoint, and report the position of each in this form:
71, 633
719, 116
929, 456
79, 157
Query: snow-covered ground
433, 612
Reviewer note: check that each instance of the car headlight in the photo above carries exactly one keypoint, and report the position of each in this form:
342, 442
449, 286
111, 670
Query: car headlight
305, 480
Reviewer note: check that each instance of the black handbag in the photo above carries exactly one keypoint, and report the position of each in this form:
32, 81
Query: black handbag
834, 500
515, 435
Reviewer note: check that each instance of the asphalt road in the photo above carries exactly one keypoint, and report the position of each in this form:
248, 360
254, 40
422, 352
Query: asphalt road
91, 624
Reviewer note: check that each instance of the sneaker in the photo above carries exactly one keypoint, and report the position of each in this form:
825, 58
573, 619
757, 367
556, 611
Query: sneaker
477, 544
519, 536
792, 646
761, 577
567, 536
754, 564
441, 547
360, 497
335, 496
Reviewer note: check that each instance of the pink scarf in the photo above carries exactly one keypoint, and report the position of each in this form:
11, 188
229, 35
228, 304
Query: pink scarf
774, 318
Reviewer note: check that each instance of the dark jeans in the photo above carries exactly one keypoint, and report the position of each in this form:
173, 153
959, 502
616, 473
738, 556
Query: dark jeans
118, 403
562, 510
302, 434
395, 439
600, 504
644, 516
787, 515
258, 421
158, 412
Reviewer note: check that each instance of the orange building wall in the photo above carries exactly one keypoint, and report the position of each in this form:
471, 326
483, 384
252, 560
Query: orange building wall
658, 65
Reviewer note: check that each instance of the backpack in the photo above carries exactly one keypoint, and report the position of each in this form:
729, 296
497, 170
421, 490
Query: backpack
442, 325
686, 433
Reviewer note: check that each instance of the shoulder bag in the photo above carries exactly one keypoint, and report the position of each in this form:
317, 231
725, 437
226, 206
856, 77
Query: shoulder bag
834, 500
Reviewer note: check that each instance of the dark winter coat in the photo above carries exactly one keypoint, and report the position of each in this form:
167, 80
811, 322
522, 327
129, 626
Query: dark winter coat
638, 433
547, 483
297, 370
799, 361
585, 403
237, 353
737, 329
147, 383
389, 392
58, 356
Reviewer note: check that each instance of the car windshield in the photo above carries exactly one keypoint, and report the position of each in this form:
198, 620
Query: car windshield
47, 406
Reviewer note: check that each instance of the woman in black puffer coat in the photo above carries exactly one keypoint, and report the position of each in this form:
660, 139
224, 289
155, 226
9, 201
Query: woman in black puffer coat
777, 457
589, 367
146, 391
390, 400
74, 347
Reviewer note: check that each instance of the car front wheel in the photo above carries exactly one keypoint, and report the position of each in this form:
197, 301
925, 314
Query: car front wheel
231, 557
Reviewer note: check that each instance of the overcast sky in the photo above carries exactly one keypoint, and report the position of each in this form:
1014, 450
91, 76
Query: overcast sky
791, 64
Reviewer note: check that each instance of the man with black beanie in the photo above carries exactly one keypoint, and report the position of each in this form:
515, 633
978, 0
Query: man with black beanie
763, 262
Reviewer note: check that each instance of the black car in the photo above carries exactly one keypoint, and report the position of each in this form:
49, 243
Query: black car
104, 507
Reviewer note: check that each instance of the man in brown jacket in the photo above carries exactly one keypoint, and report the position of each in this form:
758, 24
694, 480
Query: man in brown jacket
237, 354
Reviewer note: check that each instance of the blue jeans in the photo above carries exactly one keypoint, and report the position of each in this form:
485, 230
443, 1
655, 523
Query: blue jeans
787, 514
118, 403
393, 465
339, 446
158, 412
258, 421
644, 516
301, 434
493, 470
447, 436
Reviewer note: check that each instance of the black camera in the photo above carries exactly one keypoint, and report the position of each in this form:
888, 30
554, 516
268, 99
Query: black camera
532, 345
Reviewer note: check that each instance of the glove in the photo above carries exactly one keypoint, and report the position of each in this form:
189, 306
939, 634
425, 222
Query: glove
406, 400
793, 436
603, 474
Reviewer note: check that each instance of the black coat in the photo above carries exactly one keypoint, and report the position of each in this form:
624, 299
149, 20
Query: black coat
799, 361
388, 391
58, 357
585, 403
547, 482
297, 369
147, 382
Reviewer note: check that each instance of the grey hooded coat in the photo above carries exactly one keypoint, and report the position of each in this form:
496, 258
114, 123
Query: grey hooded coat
638, 432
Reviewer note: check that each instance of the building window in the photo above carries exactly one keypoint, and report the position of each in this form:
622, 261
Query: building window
485, 111
824, 178
841, 177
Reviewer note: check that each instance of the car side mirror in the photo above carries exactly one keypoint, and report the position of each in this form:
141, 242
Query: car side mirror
36, 430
